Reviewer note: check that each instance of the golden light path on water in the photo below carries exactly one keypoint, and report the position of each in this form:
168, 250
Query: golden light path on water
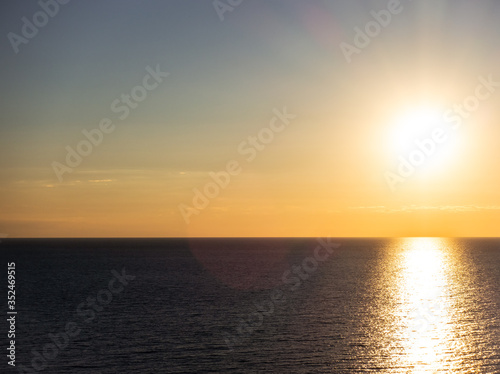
426, 325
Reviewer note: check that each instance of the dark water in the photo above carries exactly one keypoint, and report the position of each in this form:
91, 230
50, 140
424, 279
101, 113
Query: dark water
254, 306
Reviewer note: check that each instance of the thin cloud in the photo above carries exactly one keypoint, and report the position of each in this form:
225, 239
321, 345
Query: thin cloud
419, 208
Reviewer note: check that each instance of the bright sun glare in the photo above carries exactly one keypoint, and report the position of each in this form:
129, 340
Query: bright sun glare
423, 138
424, 285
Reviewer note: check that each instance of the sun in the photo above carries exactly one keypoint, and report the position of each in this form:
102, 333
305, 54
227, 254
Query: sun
422, 138
411, 125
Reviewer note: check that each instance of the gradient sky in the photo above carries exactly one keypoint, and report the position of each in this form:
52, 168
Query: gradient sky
324, 175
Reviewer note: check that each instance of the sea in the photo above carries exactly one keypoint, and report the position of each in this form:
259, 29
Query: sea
250, 305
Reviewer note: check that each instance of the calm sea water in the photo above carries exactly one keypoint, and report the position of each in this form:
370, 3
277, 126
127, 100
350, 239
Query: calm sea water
254, 305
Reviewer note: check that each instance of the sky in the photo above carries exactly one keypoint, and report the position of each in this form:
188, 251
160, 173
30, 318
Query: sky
261, 118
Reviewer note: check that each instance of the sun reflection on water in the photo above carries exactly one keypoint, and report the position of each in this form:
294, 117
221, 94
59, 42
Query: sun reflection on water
426, 325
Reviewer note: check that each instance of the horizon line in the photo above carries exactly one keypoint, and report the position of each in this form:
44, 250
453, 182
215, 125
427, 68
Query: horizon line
250, 237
